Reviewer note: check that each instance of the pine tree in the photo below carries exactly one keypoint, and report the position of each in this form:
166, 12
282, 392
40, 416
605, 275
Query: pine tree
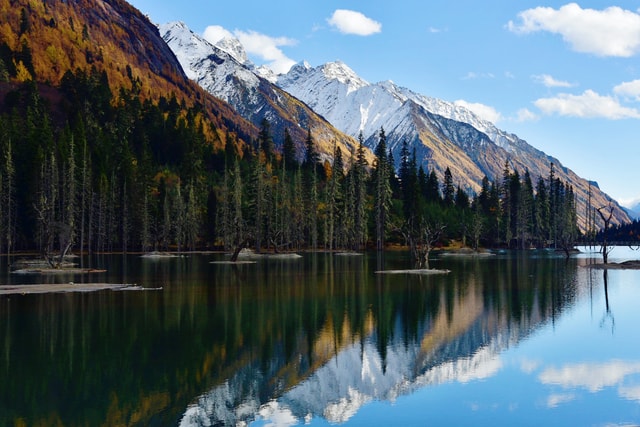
382, 195
266, 140
289, 152
360, 195
542, 213
432, 188
448, 189
526, 210
311, 191
7, 191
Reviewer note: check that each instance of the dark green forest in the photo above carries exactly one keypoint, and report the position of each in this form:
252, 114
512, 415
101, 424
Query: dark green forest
108, 171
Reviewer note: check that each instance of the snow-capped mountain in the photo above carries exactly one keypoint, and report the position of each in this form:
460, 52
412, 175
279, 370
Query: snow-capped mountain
332, 96
224, 71
444, 134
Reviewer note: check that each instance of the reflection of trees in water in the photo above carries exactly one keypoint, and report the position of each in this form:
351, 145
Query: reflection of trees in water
255, 333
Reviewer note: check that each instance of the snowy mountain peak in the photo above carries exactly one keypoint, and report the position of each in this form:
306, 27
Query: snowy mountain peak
233, 47
338, 70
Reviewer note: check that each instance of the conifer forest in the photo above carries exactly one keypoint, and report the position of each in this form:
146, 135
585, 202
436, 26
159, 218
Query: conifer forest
106, 171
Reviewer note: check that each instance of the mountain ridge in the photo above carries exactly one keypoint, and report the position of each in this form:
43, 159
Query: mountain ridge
110, 36
223, 72
483, 149
444, 134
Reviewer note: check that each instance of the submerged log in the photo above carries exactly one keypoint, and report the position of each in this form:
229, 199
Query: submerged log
68, 287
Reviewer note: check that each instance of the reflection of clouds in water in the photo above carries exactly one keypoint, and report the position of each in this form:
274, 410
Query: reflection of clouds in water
276, 416
631, 393
557, 399
593, 377
528, 366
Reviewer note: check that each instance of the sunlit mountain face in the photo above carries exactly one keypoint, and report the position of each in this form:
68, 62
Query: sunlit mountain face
443, 134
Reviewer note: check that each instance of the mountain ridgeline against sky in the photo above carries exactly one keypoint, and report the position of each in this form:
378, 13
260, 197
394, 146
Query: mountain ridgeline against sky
443, 134
225, 72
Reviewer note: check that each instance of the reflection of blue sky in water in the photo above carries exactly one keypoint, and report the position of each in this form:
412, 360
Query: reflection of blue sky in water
579, 368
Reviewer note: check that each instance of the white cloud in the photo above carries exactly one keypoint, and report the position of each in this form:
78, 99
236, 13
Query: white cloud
629, 89
609, 32
267, 48
471, 75
588, 105
483, 111
549, 81
352, 22
214, 33
526, 115
630, 203
262, 46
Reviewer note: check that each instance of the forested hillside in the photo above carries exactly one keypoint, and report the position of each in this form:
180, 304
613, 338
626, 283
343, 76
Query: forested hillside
105, 146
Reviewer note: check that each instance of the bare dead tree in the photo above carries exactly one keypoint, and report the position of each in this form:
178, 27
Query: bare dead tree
606, 213
421, 240
430, 234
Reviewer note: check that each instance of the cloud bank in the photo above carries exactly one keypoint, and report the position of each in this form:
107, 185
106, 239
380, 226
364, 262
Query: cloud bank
588, 105
609, 32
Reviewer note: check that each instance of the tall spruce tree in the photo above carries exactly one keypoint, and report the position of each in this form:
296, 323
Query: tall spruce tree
311, 190
382, 195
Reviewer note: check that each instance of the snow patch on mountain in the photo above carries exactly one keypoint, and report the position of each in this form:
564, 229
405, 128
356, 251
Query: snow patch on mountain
335, 91
213, 67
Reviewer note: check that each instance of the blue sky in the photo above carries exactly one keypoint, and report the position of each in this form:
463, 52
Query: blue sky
563, 76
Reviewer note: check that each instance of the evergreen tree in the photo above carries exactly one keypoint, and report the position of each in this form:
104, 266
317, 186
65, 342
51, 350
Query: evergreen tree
7, 191
334, 198
265, 140
432, 188
289, 152
409, 183
311, 190
382, 195
526, 211
360, 195
448, 189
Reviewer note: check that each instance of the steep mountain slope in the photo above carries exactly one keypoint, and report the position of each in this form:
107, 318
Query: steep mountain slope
443, 134
49, 38
224, 71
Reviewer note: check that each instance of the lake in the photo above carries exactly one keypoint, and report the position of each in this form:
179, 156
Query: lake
520, 338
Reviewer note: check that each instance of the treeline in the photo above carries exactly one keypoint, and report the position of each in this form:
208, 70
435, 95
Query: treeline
110, 172
622, 234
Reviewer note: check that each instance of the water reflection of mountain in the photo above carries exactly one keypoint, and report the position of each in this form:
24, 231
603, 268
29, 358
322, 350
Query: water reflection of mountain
417, 332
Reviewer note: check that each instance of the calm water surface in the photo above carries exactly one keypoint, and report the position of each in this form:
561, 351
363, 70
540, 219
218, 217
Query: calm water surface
513, 339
